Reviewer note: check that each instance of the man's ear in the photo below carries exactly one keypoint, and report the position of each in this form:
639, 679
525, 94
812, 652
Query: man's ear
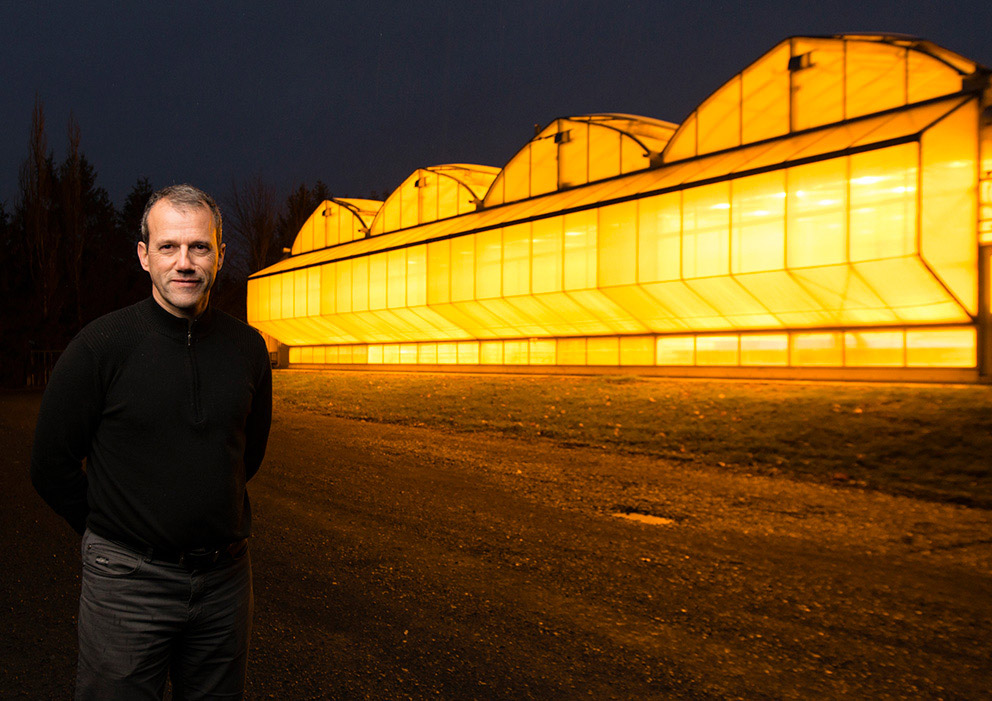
220, 256
143, 254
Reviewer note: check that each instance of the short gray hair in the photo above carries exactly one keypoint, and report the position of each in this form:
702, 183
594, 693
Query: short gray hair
183, 197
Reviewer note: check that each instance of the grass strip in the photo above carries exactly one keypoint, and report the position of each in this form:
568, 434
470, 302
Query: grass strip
929, 441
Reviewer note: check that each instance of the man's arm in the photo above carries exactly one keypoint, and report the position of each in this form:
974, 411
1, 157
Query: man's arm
70, 412
259, 420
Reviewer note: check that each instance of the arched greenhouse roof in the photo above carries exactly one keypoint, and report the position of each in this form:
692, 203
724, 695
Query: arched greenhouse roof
336, 220
573, 151
433, 193
808, 81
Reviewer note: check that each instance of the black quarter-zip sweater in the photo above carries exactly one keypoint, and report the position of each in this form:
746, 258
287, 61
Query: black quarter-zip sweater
171, 417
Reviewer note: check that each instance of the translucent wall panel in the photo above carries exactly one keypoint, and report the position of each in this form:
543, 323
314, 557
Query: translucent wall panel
765, 349
874, 348
817, 214
875, 77
617, 236
758, 211
949, 202
717, 350
720, 119
765, 96
706, 231
573, 155
676, 350
882, 201
547, 251
948, 347
817, 83
637, 350
603, 351
941, 347
580, 252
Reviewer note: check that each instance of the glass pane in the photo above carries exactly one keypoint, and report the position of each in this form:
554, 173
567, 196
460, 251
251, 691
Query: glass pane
396, 292
883, 203
438, 272
765, 96
818, 90
547, 252
516, 177
874, 348
573, 156
683, 144
416, 276
603, 350
491, 352
717, 350
816, 224
949, 207
758, 234
955, 348
604, 153
571, 351
876, 77
618, 244
462, 268
543, 165
516, 260
489, 253
706, 230
660, 237
637, 350
824, 349
676, 350
409, 197
542, 351
378, 280
765, 349
579, 264
427, 353
719, 119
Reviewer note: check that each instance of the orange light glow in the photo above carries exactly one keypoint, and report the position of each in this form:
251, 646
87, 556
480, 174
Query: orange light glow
825, 208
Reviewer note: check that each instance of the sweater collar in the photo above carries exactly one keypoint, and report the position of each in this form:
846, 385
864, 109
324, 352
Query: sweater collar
176, 327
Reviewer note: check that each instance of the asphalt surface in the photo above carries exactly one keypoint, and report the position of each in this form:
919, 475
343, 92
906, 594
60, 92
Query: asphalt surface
396, 562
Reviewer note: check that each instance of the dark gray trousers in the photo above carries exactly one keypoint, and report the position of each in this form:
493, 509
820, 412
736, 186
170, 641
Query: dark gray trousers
142, 620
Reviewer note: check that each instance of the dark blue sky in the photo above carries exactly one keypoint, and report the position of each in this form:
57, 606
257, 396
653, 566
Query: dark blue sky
361, 94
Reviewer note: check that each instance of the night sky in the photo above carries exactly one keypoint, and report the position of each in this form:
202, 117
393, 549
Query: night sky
360, 94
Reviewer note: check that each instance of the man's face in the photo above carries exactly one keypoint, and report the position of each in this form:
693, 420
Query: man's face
181, 257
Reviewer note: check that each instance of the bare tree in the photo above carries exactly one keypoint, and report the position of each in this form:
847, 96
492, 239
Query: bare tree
251, 219
73, 218
41, 238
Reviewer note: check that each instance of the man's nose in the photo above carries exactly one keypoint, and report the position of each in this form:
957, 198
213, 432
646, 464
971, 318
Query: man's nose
184, 259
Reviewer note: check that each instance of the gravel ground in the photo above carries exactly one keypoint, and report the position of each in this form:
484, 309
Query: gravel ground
401, 562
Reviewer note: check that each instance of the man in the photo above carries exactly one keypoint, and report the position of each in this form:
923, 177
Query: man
169, 403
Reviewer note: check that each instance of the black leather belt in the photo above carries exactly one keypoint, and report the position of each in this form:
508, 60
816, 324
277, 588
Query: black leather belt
201, 558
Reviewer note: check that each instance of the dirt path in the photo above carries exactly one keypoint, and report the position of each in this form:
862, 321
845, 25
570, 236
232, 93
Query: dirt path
396, 562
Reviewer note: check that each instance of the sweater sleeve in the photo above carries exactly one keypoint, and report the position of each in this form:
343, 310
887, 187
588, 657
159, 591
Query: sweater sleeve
69, 415
259, 420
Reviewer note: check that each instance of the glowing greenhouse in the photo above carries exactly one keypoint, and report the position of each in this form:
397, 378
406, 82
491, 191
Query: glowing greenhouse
826, 213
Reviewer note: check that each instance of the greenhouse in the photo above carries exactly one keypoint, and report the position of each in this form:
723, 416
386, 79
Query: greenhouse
826, 213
